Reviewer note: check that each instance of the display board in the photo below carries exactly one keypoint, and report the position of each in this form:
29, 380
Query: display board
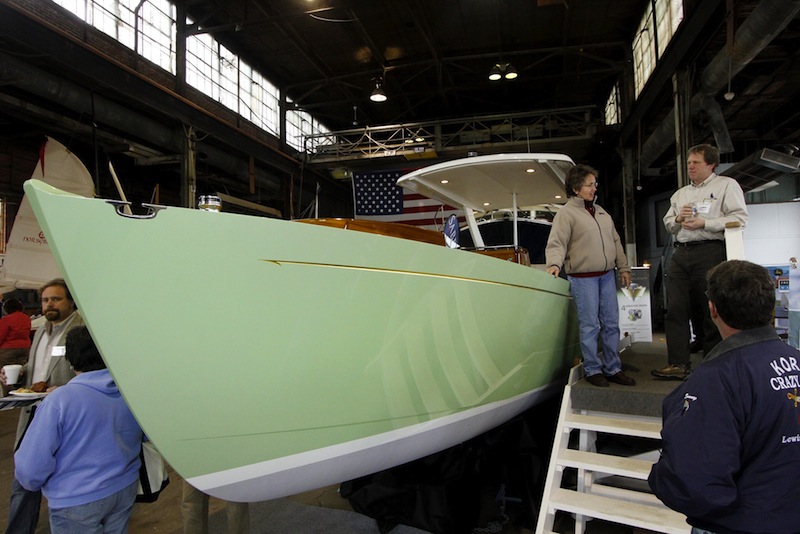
634, 306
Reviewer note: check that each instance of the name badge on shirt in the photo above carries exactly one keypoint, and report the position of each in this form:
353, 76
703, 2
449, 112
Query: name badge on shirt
704, 207
59, 350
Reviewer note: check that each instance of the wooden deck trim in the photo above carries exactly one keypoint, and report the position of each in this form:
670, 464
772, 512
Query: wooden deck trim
405, 231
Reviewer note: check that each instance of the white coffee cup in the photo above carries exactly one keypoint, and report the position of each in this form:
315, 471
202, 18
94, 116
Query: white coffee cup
12, 373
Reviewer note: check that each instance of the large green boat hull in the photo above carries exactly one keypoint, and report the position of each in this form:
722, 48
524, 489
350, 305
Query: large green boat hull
267, 357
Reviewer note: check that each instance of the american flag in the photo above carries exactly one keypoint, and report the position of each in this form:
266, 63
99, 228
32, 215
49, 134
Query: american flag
378, 198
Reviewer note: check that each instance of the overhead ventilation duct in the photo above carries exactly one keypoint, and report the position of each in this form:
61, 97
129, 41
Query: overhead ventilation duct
762, 168
50, 87
80, 100
766, 21
776, 160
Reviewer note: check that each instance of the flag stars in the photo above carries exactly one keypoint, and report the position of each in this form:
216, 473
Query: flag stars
378, 194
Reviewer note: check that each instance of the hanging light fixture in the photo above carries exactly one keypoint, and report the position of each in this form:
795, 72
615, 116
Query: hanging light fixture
377, 94
511, 72
503, 70
730, 95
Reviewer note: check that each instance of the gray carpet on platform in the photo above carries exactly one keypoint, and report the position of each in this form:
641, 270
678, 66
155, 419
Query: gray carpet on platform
645, 397
284, 516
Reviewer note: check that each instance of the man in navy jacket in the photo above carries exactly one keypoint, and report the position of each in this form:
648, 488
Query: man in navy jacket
731, 437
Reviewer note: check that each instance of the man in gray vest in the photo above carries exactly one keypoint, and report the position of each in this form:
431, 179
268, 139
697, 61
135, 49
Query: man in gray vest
48, 368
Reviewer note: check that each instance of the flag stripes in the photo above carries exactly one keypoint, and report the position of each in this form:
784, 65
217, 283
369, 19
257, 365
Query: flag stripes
378, 198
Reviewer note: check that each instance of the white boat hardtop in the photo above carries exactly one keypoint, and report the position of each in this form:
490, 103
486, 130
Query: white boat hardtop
498, 181
482, 183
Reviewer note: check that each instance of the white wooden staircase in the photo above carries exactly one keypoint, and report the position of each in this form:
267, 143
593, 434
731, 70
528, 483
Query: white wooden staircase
633, 505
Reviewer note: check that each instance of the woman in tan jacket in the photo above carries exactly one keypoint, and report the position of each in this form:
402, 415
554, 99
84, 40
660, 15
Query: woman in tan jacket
585, 244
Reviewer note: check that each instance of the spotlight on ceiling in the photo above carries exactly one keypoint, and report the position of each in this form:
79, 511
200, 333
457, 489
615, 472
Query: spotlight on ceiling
377, 94
503, 70
511, 72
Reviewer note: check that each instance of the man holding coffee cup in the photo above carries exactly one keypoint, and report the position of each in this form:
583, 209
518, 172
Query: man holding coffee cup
46, 366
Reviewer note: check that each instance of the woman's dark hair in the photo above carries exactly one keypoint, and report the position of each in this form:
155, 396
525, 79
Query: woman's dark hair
82, 353
575, 177
13, 305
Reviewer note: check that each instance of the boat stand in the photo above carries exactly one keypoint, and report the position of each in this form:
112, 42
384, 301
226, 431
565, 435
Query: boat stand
609, 487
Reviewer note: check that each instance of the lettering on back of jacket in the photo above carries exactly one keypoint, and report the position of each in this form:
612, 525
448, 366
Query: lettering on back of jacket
791, 382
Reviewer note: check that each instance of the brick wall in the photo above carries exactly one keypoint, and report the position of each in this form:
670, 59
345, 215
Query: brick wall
17, 162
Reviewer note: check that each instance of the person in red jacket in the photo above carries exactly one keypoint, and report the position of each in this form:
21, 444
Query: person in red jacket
15, 336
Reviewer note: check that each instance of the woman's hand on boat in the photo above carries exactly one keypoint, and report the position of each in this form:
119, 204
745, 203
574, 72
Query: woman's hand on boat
555, 270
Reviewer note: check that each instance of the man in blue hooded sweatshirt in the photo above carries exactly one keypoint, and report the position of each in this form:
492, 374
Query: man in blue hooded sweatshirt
82, 448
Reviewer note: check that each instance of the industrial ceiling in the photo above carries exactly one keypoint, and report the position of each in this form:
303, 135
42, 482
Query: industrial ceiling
432, 59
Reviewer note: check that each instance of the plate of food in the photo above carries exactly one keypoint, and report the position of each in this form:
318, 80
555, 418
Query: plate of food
25, 392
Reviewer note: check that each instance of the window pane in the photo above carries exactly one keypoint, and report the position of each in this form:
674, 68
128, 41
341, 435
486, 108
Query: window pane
157, 33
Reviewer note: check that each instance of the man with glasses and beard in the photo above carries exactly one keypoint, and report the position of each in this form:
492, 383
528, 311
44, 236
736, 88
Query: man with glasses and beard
47, 369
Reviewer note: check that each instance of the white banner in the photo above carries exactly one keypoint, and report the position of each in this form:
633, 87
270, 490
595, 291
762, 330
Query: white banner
634, 306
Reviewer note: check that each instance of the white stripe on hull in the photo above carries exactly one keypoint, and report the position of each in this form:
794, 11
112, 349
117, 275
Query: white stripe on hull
331, 465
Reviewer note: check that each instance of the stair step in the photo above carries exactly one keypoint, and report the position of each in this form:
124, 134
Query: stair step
613, 425
655, 518
605, 463
614, 488
604, 490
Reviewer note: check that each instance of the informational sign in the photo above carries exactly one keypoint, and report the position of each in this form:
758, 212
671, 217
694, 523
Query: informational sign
634, 306
781, 276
